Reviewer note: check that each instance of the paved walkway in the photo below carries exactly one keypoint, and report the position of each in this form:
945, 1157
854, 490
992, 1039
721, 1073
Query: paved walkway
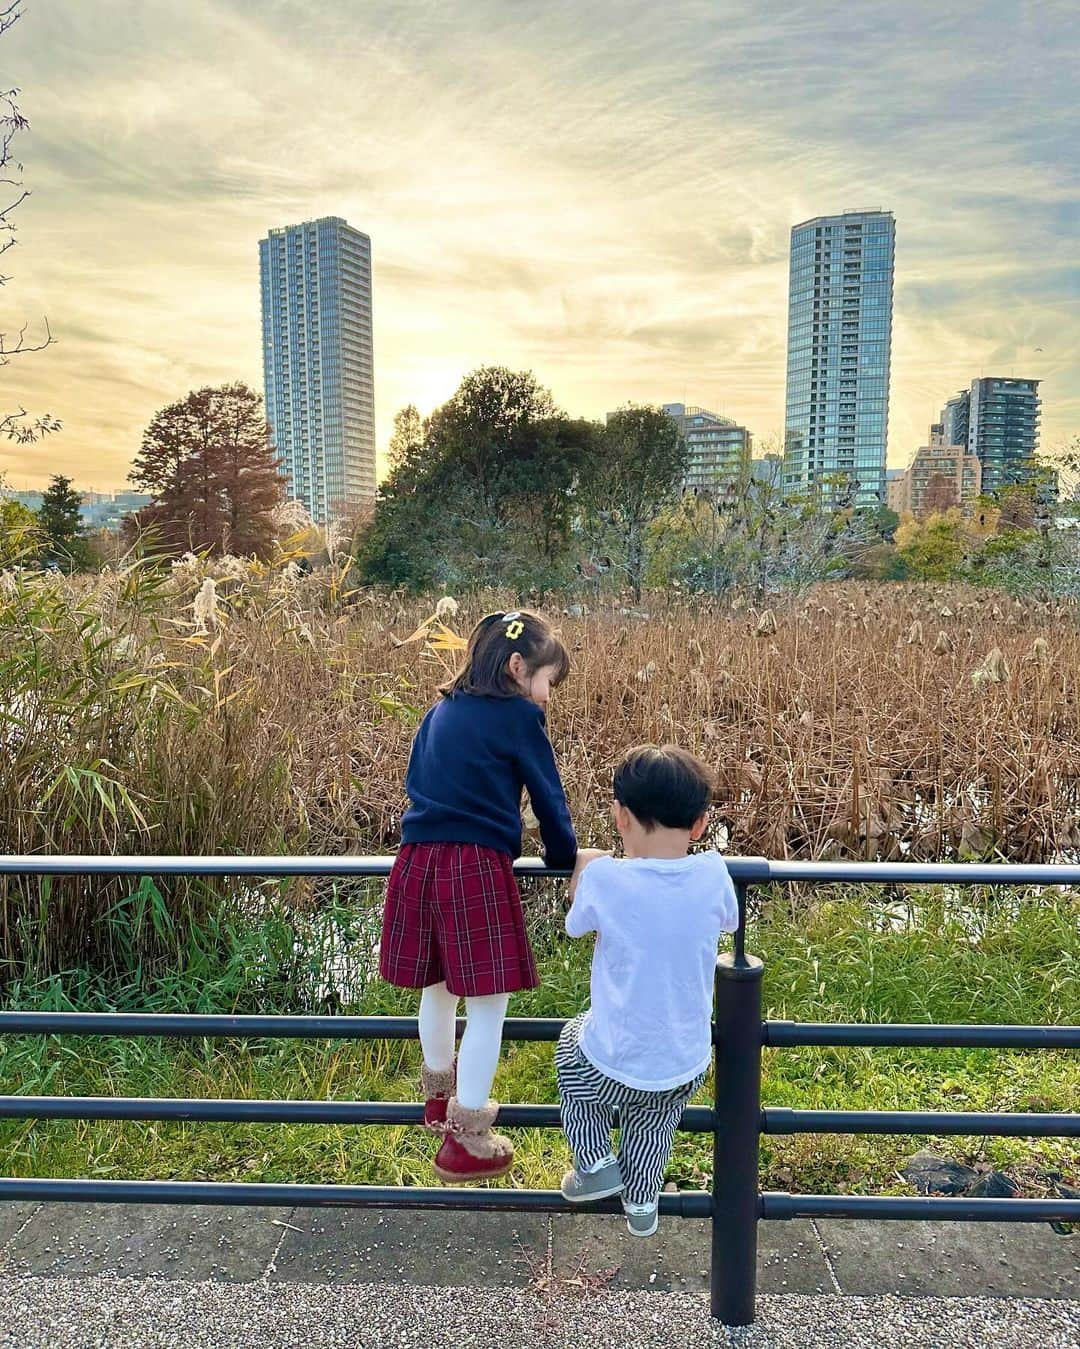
137, 1275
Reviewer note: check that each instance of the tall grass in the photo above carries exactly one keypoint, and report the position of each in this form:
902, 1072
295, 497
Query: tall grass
133, 720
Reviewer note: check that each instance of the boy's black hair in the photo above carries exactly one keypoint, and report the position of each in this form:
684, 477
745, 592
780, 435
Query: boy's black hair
663, 785
493, 641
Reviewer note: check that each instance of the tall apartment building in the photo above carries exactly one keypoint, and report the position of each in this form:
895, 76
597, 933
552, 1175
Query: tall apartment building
1004, 431
998, 420
839, 345
318, 362
718, 447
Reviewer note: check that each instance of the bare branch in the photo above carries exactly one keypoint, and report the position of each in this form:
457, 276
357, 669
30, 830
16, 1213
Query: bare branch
8, 209
21, 348
18, 425
10, 16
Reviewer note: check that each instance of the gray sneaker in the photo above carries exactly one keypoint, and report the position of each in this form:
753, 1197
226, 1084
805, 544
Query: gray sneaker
582, 1186
642, 1220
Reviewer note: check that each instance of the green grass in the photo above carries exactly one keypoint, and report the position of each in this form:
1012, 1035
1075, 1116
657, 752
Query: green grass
845, 958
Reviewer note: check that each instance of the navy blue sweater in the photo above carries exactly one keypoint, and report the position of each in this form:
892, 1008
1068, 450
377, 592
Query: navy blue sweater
470, 760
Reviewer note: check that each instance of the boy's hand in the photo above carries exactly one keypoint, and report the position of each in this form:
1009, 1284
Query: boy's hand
584, 857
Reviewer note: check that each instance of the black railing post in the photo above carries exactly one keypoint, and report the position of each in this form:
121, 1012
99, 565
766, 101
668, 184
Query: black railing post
737, 1102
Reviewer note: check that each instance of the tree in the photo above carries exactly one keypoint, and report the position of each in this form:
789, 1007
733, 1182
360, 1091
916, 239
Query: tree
208, 463
549, 460
20, 532
63, 539
637, 474
407, 439
1017, 505
748, 535
483, 449
17, 425
934, 550
247, 475
403, 543
482, 492
884, 521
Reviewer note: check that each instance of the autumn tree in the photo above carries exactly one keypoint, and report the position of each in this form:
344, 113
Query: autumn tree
247, 475
208, 464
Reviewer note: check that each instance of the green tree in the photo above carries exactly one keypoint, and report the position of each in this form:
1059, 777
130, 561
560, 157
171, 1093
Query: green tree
407, 440
403, 544
884, 521
637, 475
482, 492
63, 539
20, 533
934, 550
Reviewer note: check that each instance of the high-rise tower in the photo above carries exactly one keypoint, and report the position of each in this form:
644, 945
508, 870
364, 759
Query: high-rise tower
318, 362
839, 341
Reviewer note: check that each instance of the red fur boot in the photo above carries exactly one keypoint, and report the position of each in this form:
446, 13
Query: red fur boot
470, 1150
437, 1086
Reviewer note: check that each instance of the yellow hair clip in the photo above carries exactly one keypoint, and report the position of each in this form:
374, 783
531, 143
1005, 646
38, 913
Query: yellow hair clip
514, 626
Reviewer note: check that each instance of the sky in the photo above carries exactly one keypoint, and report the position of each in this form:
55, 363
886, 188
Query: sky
600, 191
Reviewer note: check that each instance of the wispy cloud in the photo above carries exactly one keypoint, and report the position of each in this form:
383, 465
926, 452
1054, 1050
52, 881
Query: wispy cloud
600, 192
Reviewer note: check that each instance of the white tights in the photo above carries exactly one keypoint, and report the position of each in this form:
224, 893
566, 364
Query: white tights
481, 1044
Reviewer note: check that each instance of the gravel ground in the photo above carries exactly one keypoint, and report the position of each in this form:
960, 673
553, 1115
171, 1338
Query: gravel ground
89, 1313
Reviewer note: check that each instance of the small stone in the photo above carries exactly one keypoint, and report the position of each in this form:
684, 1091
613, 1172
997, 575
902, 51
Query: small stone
994, 1185
930, 1174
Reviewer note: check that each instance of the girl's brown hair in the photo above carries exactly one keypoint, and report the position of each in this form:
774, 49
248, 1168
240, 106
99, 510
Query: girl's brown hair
493, 641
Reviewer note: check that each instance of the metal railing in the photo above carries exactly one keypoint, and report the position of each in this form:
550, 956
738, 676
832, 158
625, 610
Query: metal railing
736, 1120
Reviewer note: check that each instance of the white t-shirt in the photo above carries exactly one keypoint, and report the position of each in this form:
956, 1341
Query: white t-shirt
658, 922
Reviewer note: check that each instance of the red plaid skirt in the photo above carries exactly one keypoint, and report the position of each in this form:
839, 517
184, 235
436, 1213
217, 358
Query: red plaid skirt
453, 913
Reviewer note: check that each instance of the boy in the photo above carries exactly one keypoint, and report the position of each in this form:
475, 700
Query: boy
645, 1043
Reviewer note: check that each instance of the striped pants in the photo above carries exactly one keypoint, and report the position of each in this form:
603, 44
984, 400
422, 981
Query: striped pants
647, 1119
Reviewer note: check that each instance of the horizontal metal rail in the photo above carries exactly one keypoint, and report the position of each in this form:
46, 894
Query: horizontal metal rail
926, 873
262, 1027
695, 1119
838, 1035
957, 1122
780, 1206
748, 870
775, 1034
685, 1204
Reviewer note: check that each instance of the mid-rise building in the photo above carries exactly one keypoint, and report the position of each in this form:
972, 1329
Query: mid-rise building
939, 478
718, 447
839, 347
318, 362
1004, 429
997, 420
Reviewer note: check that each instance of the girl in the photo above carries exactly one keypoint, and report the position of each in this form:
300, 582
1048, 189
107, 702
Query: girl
453, 924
